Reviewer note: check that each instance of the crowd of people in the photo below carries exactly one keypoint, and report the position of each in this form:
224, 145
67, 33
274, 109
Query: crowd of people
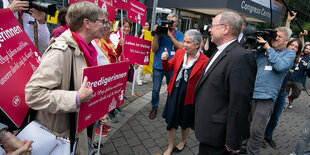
230, 96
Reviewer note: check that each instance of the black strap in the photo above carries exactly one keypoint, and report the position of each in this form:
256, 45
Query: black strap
72, 115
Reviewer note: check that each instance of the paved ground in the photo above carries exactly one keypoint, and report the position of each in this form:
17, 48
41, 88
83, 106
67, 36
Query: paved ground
136, 134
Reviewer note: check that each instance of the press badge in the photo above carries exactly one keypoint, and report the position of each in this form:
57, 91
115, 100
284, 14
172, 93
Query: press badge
172, 52
268, 68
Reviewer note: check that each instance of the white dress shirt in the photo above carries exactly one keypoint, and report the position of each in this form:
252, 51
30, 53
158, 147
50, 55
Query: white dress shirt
219, 51
43, 32
240, 37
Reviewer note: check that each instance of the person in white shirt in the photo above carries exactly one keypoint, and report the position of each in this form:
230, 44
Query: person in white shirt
28, 19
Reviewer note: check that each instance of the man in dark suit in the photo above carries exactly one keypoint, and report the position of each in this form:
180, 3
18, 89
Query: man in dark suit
224, 92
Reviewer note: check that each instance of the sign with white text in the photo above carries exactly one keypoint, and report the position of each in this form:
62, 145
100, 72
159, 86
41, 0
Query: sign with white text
137, 50
121, 4
137, 12
108, 83
18, 60
106, 5
75, 1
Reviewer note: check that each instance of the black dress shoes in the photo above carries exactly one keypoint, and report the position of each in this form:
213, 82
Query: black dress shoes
153, 113
270, 141
177, 150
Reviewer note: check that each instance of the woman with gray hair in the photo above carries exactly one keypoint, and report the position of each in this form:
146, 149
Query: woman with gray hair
55, 90
187, 65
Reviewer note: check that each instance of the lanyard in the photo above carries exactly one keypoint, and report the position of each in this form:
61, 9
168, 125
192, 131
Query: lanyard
172, 48
281, 50
173, 34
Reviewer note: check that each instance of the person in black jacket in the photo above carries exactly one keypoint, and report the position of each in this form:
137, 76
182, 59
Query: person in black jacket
224, 91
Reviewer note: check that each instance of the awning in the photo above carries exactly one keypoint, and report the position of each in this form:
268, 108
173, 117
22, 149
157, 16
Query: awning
254, 10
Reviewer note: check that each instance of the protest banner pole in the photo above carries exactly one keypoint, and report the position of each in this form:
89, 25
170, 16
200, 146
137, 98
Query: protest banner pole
98, 153
134, 73
122, 23
133, 82
136, 32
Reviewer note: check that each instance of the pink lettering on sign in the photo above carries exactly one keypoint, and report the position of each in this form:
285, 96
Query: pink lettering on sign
18, 60
109, 86
137, 50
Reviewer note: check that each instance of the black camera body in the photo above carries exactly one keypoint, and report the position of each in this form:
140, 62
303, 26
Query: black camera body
205, 31
162, 28
47, 8
251, 33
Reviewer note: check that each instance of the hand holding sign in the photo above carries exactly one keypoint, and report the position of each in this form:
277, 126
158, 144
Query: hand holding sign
121, 42
85, 92
165, 55
103, 119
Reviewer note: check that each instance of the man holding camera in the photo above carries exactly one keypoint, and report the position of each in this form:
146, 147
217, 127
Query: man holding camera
31, 21
172, 41
273, 64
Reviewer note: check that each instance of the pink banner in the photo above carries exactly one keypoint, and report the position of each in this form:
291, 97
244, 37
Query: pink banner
137, 50
137, 18
109, 86
75, 1
18, 60
121, 4
137, 12
106, 5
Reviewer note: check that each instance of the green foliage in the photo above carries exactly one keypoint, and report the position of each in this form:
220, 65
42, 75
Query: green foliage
296, 30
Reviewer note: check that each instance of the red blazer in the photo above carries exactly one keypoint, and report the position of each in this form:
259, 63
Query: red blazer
175, 63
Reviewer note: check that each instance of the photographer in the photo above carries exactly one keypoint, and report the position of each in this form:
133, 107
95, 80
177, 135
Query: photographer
172, 41
273, 64
27, 20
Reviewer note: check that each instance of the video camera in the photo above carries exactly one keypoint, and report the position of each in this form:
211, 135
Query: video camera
251, 34
162, 28
47, 8
205, 31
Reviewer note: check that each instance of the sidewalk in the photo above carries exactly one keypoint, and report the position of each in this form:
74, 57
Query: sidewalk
136, 134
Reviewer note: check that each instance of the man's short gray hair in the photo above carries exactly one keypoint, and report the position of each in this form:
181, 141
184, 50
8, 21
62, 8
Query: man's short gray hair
234, 21
286, 30
194, 34
171, 15
79, 11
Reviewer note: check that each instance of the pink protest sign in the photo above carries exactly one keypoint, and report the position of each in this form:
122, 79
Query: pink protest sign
137, 50
18, 60
121, 4
75, 1
109, 84
137, 17
106, 5
137, 12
